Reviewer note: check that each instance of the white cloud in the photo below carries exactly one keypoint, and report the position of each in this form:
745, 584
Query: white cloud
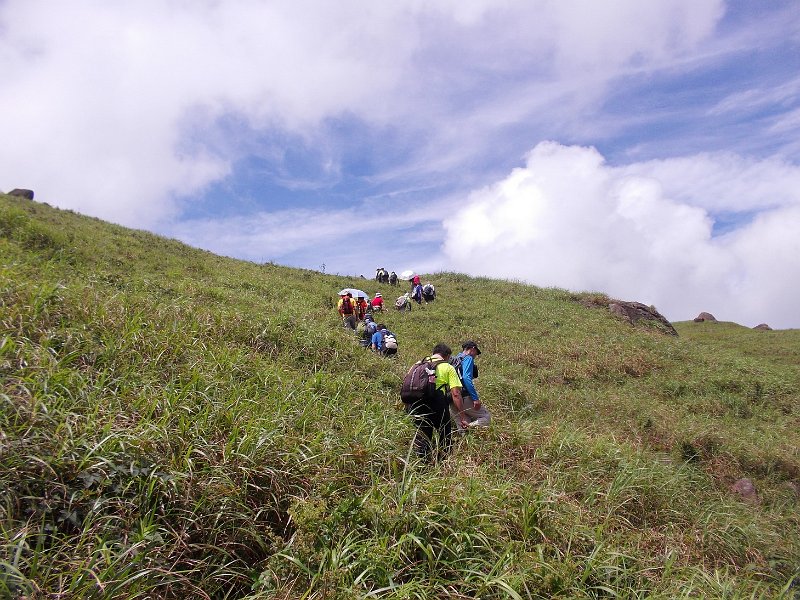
348, 240
113, 107
755, 99
720, 182
569, 220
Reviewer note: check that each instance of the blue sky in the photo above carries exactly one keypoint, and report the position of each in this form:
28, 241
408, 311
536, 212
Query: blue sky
649, 150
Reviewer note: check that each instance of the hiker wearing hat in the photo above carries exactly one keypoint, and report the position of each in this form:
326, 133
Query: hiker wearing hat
348, 310
474, 412
377, 302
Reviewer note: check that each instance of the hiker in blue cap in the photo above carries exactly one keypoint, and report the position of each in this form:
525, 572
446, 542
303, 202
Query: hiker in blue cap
474, 412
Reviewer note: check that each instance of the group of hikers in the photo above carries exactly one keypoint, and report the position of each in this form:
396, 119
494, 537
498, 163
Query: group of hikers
355, 309
439, 391
357, 315
383, 276
419, 293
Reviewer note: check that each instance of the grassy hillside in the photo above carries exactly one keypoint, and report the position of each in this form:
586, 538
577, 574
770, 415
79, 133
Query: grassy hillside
174, 424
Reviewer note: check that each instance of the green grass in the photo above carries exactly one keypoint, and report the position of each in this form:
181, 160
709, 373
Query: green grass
176, 424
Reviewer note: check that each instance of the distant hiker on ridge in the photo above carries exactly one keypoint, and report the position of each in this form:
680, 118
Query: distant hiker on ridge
417, 294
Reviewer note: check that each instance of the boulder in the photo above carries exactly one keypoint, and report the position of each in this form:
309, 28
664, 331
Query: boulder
763, 327
745, 489
705, 317
22, 193
636, 311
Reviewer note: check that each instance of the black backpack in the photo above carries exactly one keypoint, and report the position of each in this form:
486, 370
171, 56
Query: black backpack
457, 361
419, 383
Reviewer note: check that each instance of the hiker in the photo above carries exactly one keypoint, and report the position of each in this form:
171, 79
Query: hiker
361, 307
428, 292
347, 309
390, 344
376, 342
369, 328
414, 282
431, 412
377, 303
417, 294
403, 302
384, 341
379, 274
476, 414
393, 278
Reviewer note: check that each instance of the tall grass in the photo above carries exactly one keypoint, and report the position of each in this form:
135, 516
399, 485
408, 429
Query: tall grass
175, 424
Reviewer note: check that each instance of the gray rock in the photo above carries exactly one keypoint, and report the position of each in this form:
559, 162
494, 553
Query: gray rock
636, 311
763, 327
745, 489
705, 317
22, 193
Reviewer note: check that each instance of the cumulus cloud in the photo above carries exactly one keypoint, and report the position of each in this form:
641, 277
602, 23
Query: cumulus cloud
640, 232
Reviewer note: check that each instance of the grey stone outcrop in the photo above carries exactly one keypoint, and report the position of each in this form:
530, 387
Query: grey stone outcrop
705, 317
22, 193
636, 311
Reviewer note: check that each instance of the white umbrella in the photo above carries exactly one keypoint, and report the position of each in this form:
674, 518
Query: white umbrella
407, 274
355, 292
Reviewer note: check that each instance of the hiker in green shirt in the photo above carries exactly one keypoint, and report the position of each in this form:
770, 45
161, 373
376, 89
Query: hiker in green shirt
433, 412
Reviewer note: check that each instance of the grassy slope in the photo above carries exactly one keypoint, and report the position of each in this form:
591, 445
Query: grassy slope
179, 424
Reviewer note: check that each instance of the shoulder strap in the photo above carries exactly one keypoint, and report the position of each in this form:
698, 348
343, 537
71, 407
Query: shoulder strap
436, 364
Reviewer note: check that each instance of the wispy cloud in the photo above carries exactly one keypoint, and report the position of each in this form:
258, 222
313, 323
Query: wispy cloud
351, 238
